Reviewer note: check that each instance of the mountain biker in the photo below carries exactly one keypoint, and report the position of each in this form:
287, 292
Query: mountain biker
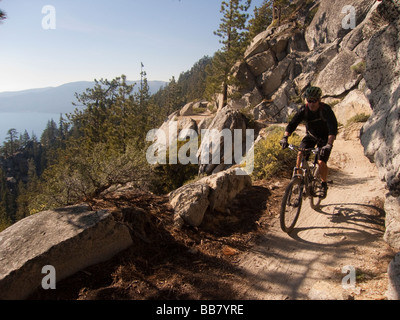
322, 129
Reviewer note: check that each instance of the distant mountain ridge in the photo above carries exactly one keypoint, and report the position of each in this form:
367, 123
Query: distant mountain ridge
54, 99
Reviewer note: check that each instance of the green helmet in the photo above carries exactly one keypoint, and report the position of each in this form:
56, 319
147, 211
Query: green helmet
313, 92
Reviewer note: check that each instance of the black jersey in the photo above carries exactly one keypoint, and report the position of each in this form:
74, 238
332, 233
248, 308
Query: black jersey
321, 123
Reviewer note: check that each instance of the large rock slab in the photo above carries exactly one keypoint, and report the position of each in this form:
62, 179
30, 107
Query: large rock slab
214, 193
69, 239
272, 79
225, 186
190, 203
212, 140
338, 76
261, 62
355, 103
327, 24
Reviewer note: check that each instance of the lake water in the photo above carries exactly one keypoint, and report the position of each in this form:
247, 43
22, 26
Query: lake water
33, 122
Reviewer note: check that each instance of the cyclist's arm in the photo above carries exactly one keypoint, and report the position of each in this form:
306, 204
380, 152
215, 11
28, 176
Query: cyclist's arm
332, 124
331, 139
297, 119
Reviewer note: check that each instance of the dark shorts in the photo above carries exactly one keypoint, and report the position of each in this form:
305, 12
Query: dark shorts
310, 142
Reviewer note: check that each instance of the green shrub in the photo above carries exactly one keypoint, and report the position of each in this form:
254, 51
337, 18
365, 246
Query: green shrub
269, 158
359, 68
358, 118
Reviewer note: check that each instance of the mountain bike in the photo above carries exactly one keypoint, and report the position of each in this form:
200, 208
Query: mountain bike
305, 183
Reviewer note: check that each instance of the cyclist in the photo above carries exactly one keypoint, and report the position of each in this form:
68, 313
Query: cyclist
322, 129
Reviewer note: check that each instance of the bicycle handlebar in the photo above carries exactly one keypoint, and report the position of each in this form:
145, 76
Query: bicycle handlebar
297, 148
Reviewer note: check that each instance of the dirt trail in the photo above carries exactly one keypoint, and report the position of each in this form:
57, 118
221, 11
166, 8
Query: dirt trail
347, 231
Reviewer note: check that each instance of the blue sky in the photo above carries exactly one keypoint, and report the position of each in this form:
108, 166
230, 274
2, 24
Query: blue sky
96, 39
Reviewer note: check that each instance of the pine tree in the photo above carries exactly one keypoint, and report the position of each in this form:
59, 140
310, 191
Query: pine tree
261, 20
233, 33
92, 124
122, 122
63, 130
173, 99
24, 139
143, 113
12, 142
50, 135
277, 8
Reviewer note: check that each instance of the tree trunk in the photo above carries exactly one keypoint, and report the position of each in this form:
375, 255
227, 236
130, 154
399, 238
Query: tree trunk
224, 95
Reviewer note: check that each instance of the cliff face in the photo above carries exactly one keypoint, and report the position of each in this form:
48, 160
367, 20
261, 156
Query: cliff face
351, 50
381, 134
330, 52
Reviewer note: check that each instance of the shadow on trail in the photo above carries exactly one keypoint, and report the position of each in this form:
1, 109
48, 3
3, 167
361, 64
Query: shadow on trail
367, 216
352, 223
337, 238
285, 265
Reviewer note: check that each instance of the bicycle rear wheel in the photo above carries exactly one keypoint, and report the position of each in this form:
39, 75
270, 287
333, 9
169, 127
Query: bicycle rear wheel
316, 189
291, 205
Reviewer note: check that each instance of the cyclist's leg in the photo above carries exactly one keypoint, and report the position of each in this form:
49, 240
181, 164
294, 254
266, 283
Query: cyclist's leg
323, 164
323, 167
323, 170
299, 158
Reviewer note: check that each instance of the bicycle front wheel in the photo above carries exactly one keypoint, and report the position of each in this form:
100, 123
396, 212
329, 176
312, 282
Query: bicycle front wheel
291, 205
316, 187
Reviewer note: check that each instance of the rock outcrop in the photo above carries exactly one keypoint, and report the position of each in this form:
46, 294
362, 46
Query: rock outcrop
68, 239
220, 141
212, 193
355, 103
190, 203
282, 61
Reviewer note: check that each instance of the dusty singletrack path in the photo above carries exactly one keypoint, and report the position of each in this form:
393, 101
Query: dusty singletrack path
346, 231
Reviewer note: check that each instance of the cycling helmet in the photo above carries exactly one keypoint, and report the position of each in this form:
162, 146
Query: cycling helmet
313, 93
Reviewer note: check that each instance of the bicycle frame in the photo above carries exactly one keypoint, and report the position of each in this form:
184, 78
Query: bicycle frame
307, 170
